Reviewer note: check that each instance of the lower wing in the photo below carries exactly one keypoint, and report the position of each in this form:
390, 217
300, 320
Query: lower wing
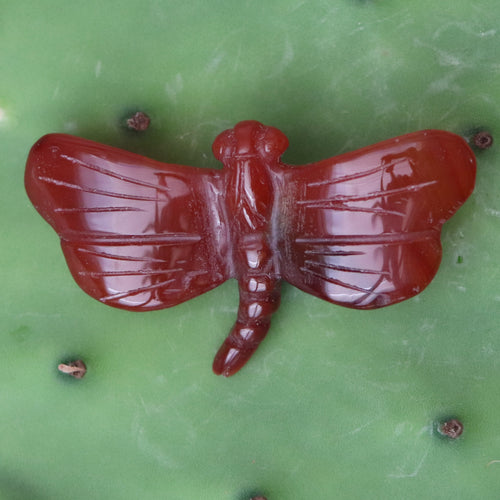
136, 233
363, 229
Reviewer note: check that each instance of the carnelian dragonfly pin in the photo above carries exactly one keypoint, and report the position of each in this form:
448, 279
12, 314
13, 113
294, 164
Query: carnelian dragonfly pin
360, 230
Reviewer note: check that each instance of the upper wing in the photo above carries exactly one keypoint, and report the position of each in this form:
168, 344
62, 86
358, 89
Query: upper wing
363, 229
136, 233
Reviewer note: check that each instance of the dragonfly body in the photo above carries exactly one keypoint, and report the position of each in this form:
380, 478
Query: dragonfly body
251, 176
360, 230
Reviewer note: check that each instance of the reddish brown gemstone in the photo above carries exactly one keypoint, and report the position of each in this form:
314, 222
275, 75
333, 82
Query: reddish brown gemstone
360, 230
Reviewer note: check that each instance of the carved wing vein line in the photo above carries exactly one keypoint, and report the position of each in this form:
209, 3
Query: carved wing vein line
334, 205
76, 187
113, 256
333, 253
135, 291
335, 267
356, 175
368, 196
97, 209
334, 281
110, 173
141, 272
371, 239
77, 237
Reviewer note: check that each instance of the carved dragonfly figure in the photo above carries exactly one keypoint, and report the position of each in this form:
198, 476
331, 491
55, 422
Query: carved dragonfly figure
360, 230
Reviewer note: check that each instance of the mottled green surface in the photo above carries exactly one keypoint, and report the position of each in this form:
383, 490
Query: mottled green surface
336, 403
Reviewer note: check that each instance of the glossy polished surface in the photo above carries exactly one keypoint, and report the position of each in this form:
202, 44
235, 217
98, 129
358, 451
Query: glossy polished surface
360, 230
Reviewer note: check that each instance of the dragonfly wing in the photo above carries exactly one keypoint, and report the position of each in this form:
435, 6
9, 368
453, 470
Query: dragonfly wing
136, 233
363, 229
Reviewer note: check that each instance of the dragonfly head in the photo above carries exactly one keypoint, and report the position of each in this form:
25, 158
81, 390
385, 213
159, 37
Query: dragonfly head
250, 139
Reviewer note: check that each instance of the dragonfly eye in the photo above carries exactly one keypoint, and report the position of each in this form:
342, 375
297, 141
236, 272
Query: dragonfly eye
272, 144
224, 145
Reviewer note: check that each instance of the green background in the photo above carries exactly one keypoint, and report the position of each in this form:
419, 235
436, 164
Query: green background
336, 403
